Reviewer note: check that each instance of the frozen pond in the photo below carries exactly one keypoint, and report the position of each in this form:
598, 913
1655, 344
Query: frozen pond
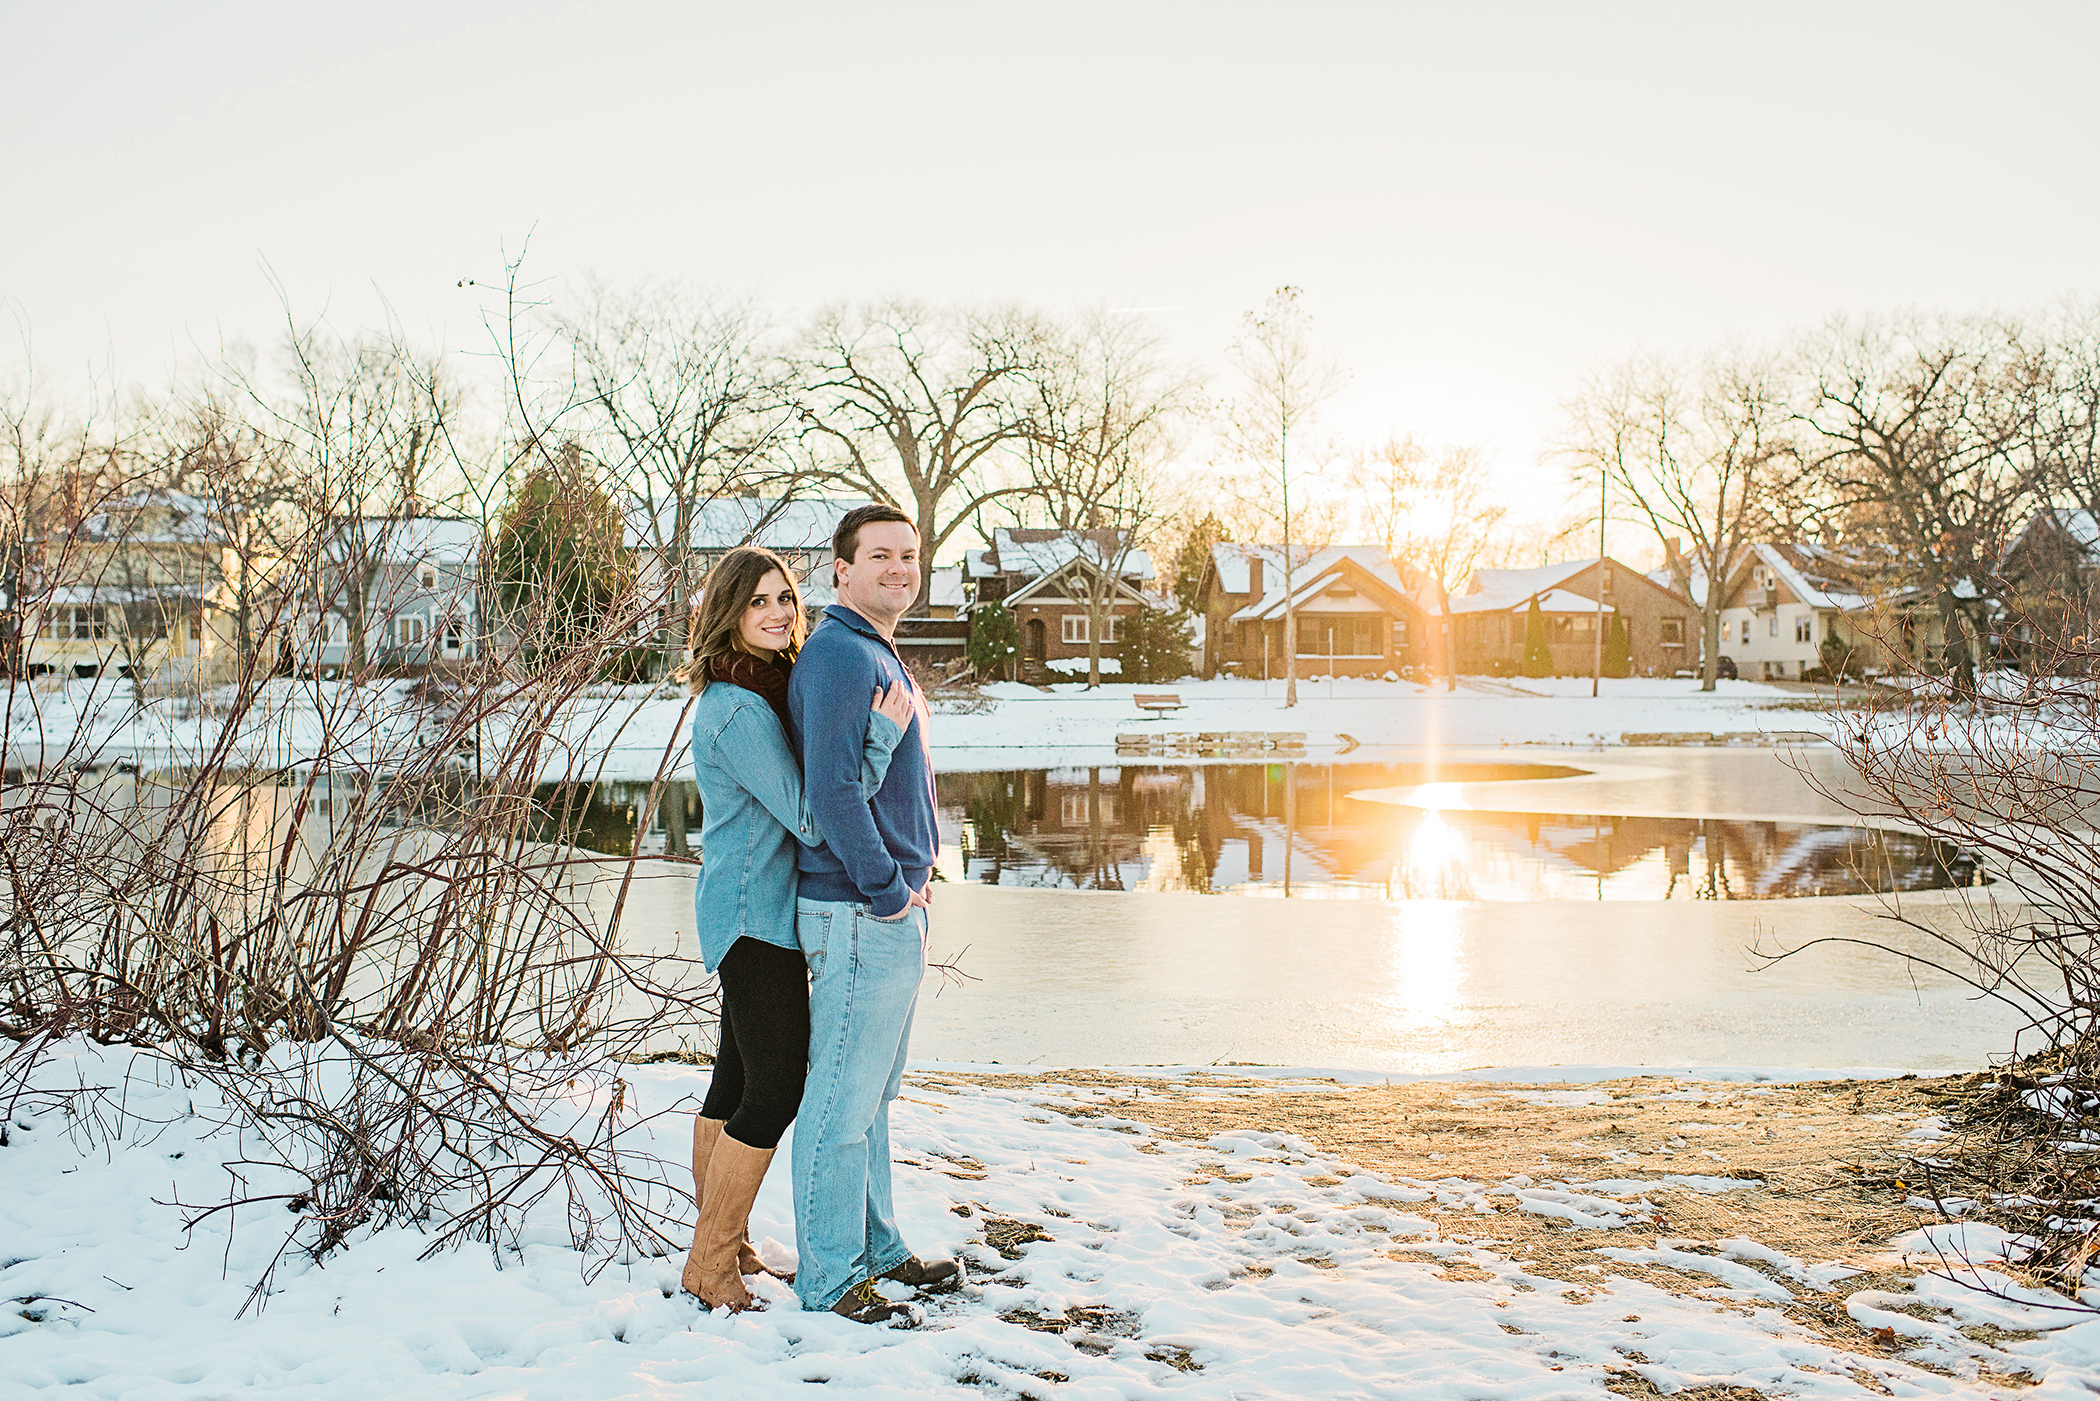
1458, 826
1165, 976
1394, 831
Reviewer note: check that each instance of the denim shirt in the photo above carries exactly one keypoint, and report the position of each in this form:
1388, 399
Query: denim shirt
752, 812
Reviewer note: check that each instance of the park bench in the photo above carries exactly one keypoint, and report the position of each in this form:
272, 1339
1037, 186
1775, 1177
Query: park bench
1157, 701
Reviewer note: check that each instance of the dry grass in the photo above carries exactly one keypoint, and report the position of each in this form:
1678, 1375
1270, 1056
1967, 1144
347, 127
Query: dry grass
1822, 1165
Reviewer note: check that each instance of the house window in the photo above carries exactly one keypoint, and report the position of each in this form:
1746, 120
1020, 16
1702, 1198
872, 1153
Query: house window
77, 622
1672, 632
412, 629
1399, 634
1075, 627
1805, 628
426, 576
1354, 636
1113, 628
455, 636
1772, 626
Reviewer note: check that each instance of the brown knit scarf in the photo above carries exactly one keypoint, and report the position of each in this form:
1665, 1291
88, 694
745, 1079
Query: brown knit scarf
765, 679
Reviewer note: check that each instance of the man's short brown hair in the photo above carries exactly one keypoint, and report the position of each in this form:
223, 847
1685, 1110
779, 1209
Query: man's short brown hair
845, 541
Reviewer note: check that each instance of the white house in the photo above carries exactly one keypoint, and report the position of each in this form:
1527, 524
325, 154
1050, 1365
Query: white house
414, 580
797, 528
1780, 604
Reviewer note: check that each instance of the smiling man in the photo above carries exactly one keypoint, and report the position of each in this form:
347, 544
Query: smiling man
861, 918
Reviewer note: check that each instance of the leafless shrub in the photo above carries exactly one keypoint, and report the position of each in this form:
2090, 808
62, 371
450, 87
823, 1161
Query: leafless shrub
2006, 765
306, 869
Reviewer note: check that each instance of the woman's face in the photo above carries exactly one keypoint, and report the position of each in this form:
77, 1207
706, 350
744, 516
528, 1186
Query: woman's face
769, 615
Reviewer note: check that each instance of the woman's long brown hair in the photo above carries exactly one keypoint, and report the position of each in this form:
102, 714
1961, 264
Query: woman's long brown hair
724, 595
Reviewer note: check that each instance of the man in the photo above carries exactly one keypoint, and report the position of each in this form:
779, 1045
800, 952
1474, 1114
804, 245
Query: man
861, 918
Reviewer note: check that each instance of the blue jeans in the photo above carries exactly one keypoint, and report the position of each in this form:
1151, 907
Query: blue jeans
864, 987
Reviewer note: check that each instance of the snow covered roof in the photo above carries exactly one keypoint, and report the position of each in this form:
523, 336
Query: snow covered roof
106, 594
1035, 553
1233, 563
2081, 526
1563, 601
947, 587
1663, 579
791, 523
1796, 584
411, 539
1314, 573
156, 518
1809, 574
1496, 589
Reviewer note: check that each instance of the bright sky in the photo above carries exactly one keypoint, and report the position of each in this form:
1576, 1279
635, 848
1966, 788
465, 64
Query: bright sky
1483, 202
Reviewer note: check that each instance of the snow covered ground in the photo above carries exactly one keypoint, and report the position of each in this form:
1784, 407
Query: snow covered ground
628, 732
1247, 1266
1554, 710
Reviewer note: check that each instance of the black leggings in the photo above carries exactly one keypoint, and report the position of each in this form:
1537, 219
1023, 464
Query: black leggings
764, 1055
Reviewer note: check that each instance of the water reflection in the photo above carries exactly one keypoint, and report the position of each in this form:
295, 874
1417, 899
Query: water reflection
605, 817
1293, 830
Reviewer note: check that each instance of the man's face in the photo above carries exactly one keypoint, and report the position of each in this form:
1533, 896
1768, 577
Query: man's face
882, 579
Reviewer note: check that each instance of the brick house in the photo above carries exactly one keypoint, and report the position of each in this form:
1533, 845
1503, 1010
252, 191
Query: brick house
1356, 615
1490, 618
1045, 578
2050, 580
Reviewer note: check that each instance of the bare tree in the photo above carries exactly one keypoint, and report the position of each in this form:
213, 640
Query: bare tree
2068, 418
366, 422
1103, 417
1284, 382
1919, 434
923, 407
1695, 452
246, 483
678, 401
1383, 482
1449, 521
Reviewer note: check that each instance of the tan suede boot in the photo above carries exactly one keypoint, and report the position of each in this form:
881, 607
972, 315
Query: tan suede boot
705, 1132
734, 1171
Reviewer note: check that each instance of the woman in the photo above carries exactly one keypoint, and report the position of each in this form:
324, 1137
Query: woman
745, 638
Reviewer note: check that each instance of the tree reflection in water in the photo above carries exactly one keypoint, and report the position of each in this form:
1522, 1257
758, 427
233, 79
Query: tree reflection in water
1292, 829
1276, 829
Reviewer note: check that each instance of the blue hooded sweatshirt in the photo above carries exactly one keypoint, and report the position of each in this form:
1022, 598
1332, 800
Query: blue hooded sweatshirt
875, 851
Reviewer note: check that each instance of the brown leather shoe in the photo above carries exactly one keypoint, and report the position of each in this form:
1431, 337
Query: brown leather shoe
863, 1305
924, 1274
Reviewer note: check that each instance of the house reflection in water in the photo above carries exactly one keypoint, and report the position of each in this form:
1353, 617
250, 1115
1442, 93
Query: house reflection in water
605, 817
1292, 829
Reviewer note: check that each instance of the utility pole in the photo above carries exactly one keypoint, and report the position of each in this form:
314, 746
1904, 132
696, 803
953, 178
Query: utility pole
1290, 600
1597, 670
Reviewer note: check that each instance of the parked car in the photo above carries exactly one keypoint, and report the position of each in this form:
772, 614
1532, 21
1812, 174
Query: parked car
1724, 668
